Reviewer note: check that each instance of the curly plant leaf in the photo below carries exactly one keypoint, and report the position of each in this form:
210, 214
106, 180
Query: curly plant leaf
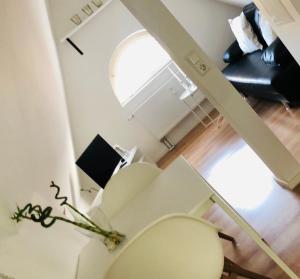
57, 197
36, 214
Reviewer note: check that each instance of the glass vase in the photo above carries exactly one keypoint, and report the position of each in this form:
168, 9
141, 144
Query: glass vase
113, 238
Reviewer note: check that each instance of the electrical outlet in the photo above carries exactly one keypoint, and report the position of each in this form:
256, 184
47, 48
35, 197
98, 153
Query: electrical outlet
201, 68
197, 63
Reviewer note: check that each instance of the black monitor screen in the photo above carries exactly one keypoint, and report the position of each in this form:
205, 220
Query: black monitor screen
99, 161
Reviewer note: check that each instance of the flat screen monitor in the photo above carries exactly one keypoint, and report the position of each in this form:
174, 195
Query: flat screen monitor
99, 160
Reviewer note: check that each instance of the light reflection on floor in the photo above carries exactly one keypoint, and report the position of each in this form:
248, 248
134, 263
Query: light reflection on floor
242, 179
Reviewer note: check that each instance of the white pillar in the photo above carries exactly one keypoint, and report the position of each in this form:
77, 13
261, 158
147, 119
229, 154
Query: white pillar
187, 54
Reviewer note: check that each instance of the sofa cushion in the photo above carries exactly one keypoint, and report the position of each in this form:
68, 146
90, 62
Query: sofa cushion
252, 14
244, 34
251, 69
233, 53
277, 54
266, 30
251, 76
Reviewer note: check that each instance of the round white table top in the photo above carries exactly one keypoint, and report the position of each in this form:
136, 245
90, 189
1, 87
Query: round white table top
175, 247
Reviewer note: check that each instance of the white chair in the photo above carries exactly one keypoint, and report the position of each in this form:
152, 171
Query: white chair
174, 247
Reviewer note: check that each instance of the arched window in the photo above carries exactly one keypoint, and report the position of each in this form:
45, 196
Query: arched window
134, 62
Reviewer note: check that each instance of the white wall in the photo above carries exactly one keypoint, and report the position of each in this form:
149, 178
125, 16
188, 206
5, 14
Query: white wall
239, 3
35, 141
92, 105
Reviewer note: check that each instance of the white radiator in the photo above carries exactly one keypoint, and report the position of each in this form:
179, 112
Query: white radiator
157, 105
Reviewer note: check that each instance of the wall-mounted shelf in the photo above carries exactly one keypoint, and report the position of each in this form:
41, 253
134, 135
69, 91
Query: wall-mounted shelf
86, 21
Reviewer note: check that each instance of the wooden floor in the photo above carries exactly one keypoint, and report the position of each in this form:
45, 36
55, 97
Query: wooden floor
235, 171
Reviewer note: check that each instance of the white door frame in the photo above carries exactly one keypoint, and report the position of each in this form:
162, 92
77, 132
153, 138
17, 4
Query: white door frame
189, 56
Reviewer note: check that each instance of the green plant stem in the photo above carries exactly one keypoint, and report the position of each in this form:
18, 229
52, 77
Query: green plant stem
82, 215
84, 226
94, 229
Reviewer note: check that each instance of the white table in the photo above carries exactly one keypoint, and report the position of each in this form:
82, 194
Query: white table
174, 190
177, 189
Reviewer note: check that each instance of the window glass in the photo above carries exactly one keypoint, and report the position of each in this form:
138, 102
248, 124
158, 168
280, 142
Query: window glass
135, 61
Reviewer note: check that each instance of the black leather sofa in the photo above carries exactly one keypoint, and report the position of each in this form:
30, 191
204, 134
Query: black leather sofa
271, 73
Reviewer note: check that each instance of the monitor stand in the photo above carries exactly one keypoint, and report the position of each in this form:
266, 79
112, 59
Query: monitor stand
128, 159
